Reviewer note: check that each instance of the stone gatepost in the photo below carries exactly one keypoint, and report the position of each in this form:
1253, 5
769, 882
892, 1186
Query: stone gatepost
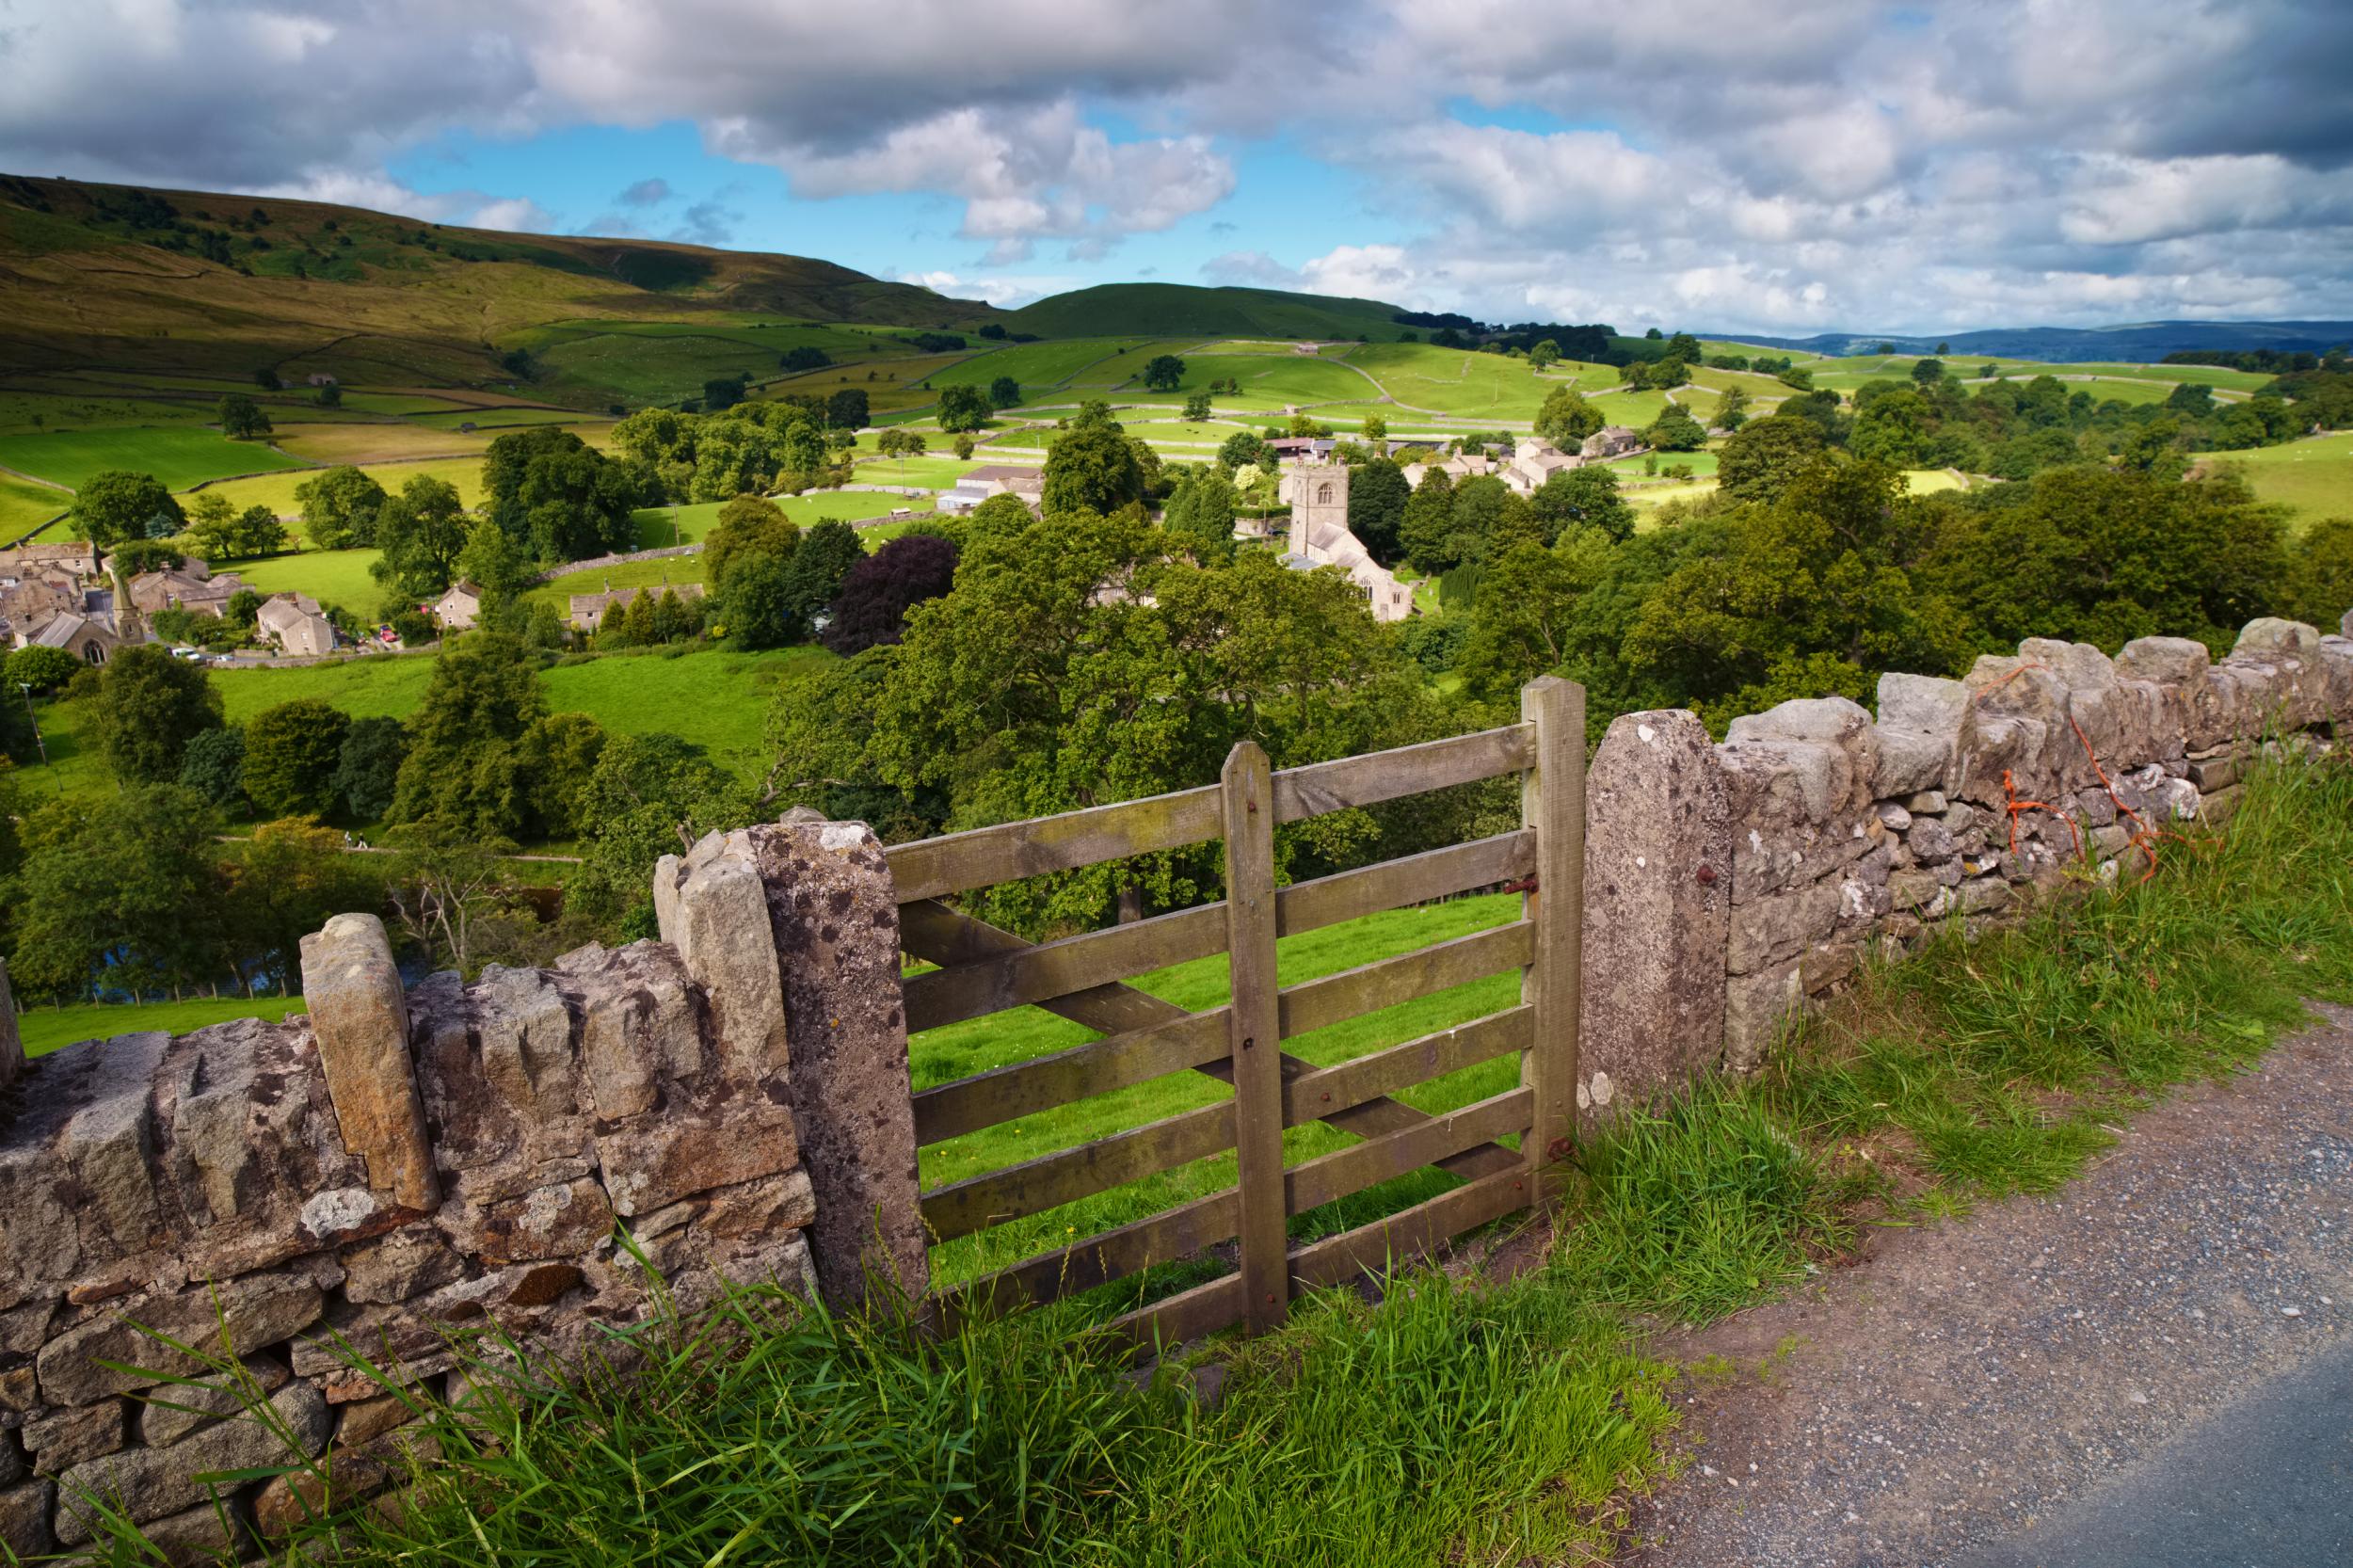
793, 931
361, 1016
1658, 905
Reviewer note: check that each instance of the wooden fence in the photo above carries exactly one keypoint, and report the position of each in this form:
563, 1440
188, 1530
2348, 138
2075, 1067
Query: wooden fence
984, 971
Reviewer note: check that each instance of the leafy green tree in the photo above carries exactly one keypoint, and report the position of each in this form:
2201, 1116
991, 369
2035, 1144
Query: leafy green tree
1544, 355
125, 885
367, 772
1524, 612
1767, 455
1426, 532
463, 773
212, 527
1243, 449
1927, 373
1201, 517
44, 669
2191, 400
1163, 373
847, 409
329, 395
962, 407
817, 570
747, 524
289, 879
1197, 408
1093, 467
560, 498
259, 531
241, 418
214, 768
647, 796
1566, 419
291, 753
1582, 497
421, 530
557, 754
118, 505
1377, 498
722, 392
2155, 449
2317, 588
149, 707
492, 562
755, 606
1488, 520
1675, 430
18, 744
1005, 393
340, 508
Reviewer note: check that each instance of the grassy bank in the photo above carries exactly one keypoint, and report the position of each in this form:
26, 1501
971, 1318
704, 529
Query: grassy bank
1437, 1417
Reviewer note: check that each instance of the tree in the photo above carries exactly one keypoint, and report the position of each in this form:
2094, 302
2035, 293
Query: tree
44, 669
329, 395
1587, 497
1943, 350
2191, 400
1927, 373
962, 407
118, 505
847, 409
340, 508
561, 499
1197, 408
292, 752
1093, 467
215, 768
754, 610
1524, 613
212, 528
803, 358
2155, 449
1163, 373
963, 448
748, 524
818, 568
1544, 353
463, 771
1005, 393
871, 609
1375, 429
421, 530
291, 878
258, 532
2317, 587
1243, 449
367, 772
125, 885
492, 562
448, 893
1426, 531
1675, 430
557, 755
241, 418
1566, 419
1377, 499
1488, 519
722, 392
149, 705
1201, 517
647, 796
1760, 461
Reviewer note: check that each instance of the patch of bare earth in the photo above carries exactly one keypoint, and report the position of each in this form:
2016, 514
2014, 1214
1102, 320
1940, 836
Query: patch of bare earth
1963, 1380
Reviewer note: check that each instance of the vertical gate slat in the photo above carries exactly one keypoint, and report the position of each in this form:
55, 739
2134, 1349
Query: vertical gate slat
1256, 1048
1552, 801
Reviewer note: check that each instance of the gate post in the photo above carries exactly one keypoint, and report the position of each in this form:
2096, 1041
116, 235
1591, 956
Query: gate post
1255, 1034
1552, 802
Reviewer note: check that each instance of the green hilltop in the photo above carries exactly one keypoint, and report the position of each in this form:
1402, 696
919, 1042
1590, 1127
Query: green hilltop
1173, 309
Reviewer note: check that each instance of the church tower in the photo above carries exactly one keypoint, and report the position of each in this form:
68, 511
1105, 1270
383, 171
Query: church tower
1319, 495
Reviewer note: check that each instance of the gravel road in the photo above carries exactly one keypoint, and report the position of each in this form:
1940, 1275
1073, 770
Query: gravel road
2004, 1389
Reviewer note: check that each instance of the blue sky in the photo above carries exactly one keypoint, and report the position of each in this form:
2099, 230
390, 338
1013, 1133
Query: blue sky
1825, 163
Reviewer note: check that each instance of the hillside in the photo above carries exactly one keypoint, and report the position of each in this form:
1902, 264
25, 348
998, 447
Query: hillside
113, 276
1177, 309
2136, 343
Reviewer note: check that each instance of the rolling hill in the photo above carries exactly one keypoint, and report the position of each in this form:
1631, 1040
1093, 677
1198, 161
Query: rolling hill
1172, 309
161, 280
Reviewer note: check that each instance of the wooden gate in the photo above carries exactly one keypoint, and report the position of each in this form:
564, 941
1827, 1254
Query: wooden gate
984, 971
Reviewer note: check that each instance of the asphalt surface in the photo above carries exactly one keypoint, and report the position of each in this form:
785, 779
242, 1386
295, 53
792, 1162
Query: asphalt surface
2152, 1366
2265, 1483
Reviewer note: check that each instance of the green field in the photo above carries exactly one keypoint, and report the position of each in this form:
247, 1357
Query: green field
329, 576
1124, 367
180, 455
650, 575
660, 526
1454, 381
47, 1028
26, 506
2312, 478
1268, 381
942, 1054
1035, 365
932, 471
277, 490
491, 419
1633, 408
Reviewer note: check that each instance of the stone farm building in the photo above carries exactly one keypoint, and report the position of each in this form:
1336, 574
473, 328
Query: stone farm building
297, 624
189, 586
993, 480
459, 609
43, 584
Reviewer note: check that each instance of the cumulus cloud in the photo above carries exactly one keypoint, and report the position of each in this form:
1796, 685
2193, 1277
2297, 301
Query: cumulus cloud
1872, 163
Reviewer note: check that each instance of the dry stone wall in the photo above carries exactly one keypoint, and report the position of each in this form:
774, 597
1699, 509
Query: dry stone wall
539, 1152
1729, 885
